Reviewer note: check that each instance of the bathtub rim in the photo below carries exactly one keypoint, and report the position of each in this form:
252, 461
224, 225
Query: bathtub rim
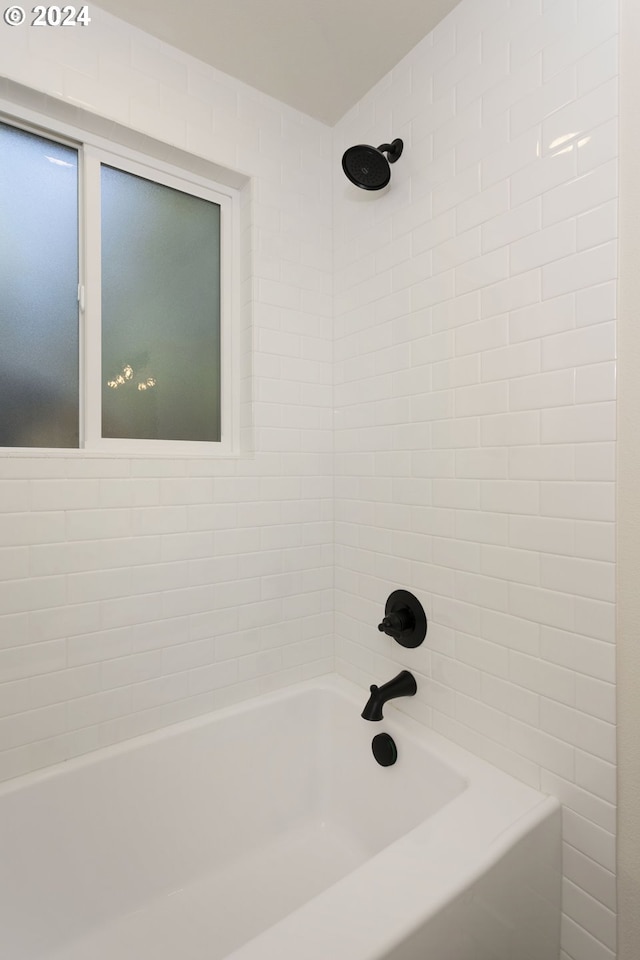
380, 914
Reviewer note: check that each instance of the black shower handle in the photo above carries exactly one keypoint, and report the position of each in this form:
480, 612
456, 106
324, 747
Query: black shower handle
404, 619
397, 621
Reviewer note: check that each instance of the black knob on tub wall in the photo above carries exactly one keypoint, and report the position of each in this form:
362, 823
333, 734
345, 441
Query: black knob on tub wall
384, 749
404, 619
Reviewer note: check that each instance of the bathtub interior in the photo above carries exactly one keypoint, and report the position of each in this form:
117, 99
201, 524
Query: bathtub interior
190, 842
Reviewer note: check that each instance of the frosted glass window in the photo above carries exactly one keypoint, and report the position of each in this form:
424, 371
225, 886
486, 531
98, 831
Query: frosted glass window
38, 291
160, 311
111, 320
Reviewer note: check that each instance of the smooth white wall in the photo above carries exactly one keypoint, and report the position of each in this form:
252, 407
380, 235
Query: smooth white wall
134, 593
628, 596
475, 405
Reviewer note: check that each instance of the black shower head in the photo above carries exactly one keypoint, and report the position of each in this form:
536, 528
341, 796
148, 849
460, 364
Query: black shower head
368, 167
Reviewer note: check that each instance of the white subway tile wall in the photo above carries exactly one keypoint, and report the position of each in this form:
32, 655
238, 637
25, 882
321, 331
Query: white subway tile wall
456, 438
475, 406
134, 593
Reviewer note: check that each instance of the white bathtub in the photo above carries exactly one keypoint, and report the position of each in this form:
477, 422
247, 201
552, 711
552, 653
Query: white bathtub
267, 831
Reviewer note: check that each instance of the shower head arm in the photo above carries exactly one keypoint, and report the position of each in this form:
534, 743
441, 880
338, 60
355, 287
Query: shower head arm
393, 150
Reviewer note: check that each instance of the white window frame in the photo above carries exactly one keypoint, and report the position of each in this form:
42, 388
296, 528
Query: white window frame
92, 152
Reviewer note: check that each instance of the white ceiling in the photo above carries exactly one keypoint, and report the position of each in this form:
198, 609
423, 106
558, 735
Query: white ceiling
319, 56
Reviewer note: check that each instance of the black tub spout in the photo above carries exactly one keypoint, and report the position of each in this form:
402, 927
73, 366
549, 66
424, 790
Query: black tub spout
404, 685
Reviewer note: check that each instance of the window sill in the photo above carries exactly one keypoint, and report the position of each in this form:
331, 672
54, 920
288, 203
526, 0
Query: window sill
64, 453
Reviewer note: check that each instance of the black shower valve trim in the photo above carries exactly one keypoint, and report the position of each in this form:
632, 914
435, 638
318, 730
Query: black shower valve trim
404, 619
